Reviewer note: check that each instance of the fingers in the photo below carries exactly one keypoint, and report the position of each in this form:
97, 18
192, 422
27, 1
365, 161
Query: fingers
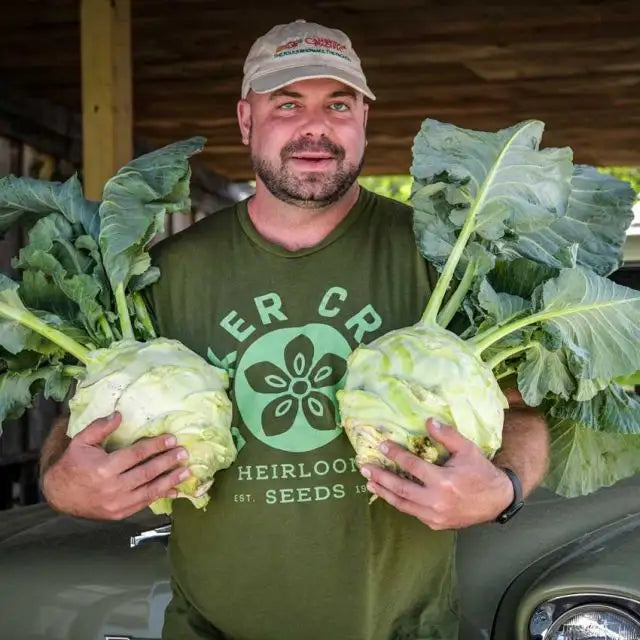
156, 467
126, 502
124, 459
417, 467
404, 489
424, 513
448, 436
97, 431
163, 486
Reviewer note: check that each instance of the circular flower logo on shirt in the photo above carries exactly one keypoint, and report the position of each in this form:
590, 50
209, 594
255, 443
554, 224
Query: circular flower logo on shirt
286, 385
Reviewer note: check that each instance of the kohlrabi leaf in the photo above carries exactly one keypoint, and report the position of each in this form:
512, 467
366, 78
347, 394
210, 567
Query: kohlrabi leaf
502, 181
135, 202
151, 275
598, 214
90, 246
53, 235
18, 388
14, 336
587, 389
83, 289
30, 199
613, 410
542, 372
629, 381
598, 321
501, 307
22, 329
519, 277
583, 460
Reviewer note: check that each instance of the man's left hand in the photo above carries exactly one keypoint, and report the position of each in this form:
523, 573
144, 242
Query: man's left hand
468, 489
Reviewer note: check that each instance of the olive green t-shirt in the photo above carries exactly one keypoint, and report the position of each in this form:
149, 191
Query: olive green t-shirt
289, 546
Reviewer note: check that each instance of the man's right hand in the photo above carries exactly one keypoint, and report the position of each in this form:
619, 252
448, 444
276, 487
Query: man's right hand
88, 482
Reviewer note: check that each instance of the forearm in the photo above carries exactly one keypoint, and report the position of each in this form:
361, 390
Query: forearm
55, 444
525, 446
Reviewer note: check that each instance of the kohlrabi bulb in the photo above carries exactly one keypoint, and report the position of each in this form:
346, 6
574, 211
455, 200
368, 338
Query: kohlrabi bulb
160, 387
395, 383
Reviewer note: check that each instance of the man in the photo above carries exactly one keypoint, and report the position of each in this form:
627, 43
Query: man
280, 288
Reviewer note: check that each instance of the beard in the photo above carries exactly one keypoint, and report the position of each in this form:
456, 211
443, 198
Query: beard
312, 189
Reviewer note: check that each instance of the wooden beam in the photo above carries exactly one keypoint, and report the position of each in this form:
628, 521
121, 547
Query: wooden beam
105, 27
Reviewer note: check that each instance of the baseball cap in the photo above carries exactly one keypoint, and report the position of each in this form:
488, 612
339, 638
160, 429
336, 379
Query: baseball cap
302, 50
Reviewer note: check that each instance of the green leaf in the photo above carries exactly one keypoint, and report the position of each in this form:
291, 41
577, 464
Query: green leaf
30, 199
83, 290
519, 277
598, 214
544, 372
38, 291
629, 381
14, 337
587, 389
135, 202
597, 320
60, 277
504, 180
151, 275
501, 307
89, 245
17, 389
611, 409
583, 460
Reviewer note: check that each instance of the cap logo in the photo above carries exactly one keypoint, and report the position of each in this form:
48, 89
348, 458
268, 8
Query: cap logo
312, 44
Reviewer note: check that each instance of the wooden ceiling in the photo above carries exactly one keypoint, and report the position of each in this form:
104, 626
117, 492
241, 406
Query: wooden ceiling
485, 65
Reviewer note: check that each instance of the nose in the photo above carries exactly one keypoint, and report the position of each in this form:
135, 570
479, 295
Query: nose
316, 124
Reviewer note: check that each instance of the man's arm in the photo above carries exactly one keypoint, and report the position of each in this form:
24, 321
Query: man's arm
525, 443
468, 489
80, 478
54, 446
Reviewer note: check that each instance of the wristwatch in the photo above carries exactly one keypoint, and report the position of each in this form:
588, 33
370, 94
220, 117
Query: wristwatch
517, 503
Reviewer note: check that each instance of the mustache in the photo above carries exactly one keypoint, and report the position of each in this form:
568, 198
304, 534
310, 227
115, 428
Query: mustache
313, 146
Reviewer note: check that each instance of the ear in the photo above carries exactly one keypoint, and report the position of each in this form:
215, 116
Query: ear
366, 114
243, 111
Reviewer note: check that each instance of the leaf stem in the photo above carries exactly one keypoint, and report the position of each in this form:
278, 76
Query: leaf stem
454, 302
506, 354
34, 323
143, 314
123, 313
435, 301
106, 328
484, 340
73, 372
506, 373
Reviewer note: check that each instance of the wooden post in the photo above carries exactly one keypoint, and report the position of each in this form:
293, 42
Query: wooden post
106, 91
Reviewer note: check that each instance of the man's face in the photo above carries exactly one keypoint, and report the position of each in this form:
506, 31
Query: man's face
307, 140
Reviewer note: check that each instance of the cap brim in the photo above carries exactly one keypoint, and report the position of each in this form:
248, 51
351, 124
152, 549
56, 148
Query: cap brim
283, 77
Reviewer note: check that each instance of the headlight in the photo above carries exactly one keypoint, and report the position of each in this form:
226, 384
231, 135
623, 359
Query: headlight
594, 622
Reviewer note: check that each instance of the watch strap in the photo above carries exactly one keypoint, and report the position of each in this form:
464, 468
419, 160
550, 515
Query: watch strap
518, 501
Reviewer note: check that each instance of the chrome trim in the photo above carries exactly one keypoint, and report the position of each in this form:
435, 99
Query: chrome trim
144, 536
548, 612
594, 606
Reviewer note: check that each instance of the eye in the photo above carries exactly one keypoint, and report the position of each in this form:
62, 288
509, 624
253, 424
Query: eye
287, 106
339, 106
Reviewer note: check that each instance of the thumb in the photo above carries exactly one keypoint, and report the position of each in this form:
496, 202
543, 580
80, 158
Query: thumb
447, 436
97, 431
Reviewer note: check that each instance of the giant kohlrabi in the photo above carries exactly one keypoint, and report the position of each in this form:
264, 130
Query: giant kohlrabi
78, 313
523, 241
